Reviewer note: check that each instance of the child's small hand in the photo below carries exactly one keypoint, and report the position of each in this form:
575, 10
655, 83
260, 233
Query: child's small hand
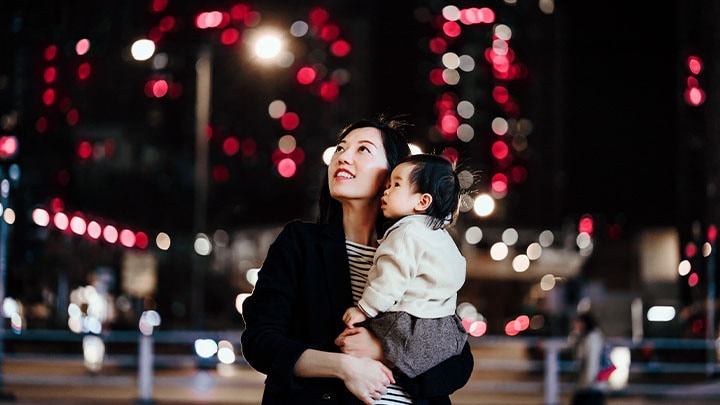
352, 316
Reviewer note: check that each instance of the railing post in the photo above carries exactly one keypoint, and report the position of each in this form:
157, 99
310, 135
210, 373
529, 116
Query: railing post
145, 370
552, 371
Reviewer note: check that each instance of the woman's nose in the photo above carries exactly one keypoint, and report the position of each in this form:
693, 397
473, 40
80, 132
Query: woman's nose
345, 157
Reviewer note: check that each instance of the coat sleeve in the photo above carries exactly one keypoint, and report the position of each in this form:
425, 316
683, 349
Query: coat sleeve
268, 313
443, 379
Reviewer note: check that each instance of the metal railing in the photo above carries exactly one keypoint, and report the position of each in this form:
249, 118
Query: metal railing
534, 364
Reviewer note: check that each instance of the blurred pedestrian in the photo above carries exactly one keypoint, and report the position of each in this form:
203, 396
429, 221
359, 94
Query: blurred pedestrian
587, 341
314, 271
410, 298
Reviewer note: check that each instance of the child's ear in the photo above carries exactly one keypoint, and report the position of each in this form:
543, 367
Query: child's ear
424, 202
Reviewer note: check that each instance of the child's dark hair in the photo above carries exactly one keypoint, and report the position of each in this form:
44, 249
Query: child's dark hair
436, 176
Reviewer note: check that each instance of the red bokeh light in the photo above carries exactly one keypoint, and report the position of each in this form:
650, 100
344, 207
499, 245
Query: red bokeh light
110, 234
220, 174
306, 75
141, 240
436, 77
690, 250
500, 150
230, 36
238, 12
8, 146
318, 16
61, 221
694, 96
712, 233
51, 52
500, 94
329, 32
78, 225
290, 121
286, 167
231, 146
329, 91
340, 48
452, 29
48, 97
159, 5
438, 45
167, 23
127, 238
160, 88
57, 205
84, 71
586, 224
695, 64
499, 183
84, 150
94, 230
50, 74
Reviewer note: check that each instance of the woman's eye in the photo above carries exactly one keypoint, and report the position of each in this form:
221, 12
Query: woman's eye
338, 149
363, 149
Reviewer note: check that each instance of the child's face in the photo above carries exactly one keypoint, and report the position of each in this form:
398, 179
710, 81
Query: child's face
401, 197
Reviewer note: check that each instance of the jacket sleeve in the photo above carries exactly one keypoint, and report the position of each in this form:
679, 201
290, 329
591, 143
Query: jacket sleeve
268, 313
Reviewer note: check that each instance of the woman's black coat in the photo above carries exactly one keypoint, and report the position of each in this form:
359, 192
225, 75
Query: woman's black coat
301, 294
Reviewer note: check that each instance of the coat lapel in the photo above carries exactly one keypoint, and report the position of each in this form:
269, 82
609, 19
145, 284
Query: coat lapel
337, 271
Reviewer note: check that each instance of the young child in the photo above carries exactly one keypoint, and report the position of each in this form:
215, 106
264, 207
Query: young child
410, 297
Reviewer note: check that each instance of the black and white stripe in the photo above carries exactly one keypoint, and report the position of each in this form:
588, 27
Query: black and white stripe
360, 258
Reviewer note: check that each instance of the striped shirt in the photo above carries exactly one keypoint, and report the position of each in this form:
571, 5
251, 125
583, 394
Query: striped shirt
360, 258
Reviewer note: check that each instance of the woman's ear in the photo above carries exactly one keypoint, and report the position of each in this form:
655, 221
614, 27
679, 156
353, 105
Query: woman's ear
423, 203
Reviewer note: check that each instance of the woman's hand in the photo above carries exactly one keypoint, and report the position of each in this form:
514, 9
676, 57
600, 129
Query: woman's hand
367, 379
359, 342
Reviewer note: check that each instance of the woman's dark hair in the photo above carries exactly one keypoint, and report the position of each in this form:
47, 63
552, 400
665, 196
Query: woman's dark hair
436, 176
587, 319
396, 147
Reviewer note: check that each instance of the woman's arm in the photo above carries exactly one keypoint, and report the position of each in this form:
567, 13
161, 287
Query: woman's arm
365, 378
269, 311
440, 381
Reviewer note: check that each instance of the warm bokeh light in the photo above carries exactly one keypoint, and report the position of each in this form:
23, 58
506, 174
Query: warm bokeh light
277, 109
267, 45
684, 268
499, 251
162, 240
473, 235
520, 263
547, 282
142, 49
41, 217
484, 205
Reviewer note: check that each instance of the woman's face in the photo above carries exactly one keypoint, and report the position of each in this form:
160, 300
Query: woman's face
358, 169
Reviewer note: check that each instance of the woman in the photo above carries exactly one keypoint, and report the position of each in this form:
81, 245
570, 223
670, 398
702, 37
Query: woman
587, 341
293, 320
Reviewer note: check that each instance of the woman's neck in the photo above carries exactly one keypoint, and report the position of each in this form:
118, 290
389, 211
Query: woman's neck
359, 224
